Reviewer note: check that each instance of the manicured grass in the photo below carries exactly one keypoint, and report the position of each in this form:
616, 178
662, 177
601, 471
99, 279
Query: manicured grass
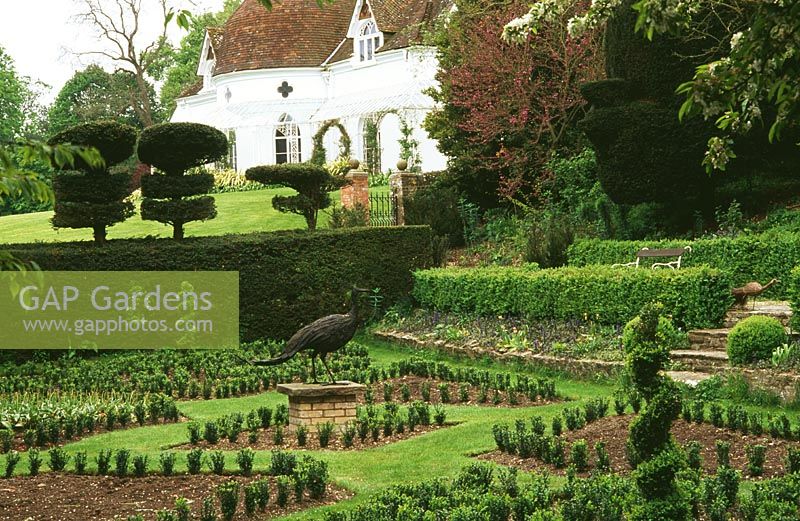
237, 212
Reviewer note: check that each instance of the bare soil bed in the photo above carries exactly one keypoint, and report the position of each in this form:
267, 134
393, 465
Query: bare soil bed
68, 497
336, 443
415, 384
613, 431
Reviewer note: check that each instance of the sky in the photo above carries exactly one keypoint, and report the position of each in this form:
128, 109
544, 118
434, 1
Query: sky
43, 37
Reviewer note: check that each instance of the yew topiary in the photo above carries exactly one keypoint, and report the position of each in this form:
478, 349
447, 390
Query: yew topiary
173, 198
754, 339
94, 197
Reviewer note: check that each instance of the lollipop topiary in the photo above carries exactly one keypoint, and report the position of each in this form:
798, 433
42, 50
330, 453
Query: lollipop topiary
92, 196
173, 148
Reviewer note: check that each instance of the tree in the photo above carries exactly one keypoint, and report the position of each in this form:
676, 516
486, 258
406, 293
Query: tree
507, 108
752, 82
174, 148
12, 98
94, 95
182, 73
91, 196
312, 183
117, 23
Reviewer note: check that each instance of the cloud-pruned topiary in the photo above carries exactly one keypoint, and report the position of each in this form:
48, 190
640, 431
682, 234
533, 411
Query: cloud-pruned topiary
93, 196
754, 339
312, 183
173, 198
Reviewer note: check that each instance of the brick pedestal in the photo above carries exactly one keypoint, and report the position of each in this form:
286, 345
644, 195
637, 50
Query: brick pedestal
403, 186
357, 192
312, 404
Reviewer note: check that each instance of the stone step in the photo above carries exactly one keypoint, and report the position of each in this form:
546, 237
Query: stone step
709, 339
776, 309
689, 378
701, 361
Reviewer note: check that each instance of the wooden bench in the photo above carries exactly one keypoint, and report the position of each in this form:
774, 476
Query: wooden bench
647, 253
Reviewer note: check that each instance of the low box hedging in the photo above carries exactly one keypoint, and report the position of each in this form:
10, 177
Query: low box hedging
695, 297
286, 279
746, 258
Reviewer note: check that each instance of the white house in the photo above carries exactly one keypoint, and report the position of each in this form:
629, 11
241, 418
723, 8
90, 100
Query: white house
272, 78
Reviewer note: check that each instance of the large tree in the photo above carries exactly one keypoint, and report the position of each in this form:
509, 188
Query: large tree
507, 108
121, 39
183, 71
94, 94
12, 98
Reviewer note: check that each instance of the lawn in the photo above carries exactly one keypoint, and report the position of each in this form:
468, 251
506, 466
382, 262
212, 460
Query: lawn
237, 212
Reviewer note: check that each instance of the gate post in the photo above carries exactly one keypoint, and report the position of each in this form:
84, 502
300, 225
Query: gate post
403, 185
357, 192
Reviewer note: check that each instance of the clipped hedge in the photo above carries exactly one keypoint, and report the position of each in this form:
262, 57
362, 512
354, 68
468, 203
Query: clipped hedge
286, 279
754, 339
696, 297
793, 294
757, 257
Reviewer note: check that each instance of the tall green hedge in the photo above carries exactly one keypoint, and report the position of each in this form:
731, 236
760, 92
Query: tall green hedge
746, 258
286, 279
696, 297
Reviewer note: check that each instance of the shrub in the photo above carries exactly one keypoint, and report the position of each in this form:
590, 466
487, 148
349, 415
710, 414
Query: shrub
208, 511
312, 183
318, 262
756, 454
194, 461
324, 432
228, 494
244, 458
754, 339
314, 474
140, 465
302, 435
217, 462
696, 297
579, 455
603, 460
80, 462
58, 459
121, 459
34, 461
745, 258
103, 461
282, 463
12, 458
437, 207
283, 484
173, 148
166, 462
93, 197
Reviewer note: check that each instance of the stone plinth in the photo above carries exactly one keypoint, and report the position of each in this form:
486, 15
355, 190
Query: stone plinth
313, 404
356, 194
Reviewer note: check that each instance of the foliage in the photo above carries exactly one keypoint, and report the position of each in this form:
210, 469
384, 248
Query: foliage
547, 238
312, 183
746, 258
96, 95
318, 153
173, 148
436, 206
326, 264
754, 339
226, 181
697, 297
506, 108
355, 217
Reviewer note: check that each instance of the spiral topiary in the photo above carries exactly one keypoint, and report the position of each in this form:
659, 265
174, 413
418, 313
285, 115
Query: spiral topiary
93, 196
173, 148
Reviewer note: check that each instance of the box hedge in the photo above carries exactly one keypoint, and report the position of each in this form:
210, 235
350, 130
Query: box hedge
757, 257
695, 297
286, 279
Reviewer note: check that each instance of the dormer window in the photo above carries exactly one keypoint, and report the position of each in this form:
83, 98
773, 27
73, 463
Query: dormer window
368, 41
208, 73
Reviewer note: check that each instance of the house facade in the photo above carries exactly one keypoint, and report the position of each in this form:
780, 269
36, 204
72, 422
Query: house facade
270, 79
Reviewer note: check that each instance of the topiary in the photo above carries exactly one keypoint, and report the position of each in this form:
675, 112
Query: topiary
94, 197
173, 148
312, 183
754, 339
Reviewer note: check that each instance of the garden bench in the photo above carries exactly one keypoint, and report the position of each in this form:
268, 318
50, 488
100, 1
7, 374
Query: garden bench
647, 253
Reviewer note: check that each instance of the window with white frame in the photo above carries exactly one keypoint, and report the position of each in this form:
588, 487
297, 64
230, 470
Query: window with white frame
368, 41
288, 146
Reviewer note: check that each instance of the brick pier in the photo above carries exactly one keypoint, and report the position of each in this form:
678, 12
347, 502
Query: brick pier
312, 404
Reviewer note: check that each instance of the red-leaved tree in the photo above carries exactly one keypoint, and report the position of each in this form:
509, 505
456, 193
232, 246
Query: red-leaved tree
506, 108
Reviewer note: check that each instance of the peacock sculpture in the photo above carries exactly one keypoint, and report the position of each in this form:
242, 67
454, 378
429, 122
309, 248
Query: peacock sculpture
751, 290
322, 337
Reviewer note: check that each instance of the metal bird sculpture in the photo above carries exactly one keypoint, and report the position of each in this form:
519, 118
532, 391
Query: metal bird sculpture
751, 290
322, 337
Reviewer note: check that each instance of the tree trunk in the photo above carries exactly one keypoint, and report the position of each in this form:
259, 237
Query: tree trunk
99, 234
311, 221
144, 108
177, 231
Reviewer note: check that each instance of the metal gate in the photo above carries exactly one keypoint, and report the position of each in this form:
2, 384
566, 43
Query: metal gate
382, 210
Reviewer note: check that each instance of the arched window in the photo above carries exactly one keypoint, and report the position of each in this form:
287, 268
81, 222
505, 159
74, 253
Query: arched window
231, 160
288, 147
368, 41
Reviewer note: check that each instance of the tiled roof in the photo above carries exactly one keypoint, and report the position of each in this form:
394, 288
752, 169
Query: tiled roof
216, 34
295, 33
192, 89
